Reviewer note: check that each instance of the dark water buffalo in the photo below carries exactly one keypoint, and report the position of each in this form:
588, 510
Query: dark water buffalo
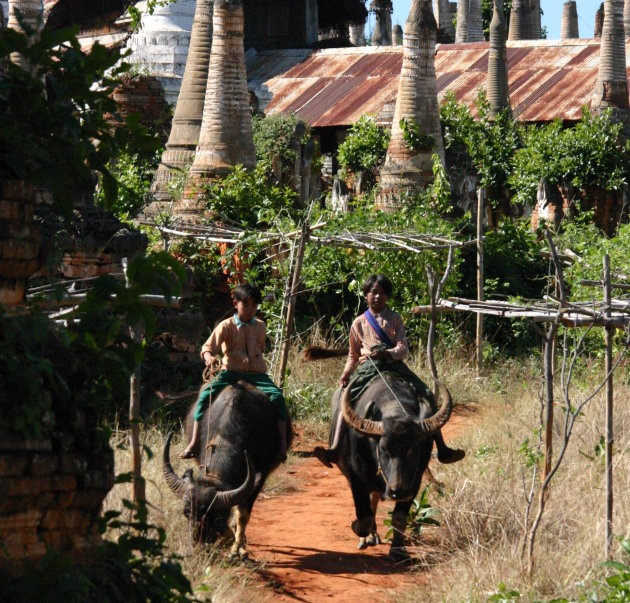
385, 452
239, 449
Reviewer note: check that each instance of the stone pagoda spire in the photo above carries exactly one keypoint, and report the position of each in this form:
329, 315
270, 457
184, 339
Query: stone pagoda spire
226, 138
417, 101
446, 31
397, 35
184, 136
382, 34
611, 90
32, 14
497, 82
463, 10
475, 22
356, 33
4, 13
162, 44
570, 27
520, 20
626, 18
535, 27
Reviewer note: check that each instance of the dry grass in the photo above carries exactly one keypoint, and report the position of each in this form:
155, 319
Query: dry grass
482, 512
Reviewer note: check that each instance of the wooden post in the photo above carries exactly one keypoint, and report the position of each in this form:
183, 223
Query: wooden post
609, 332
134, 418
479, 338
291, 306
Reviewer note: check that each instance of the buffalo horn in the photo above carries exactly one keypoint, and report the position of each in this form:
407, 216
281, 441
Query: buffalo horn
176, 484
364, 426
433, 424
230, 498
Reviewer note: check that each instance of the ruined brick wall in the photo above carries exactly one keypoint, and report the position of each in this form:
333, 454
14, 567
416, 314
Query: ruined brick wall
50, 494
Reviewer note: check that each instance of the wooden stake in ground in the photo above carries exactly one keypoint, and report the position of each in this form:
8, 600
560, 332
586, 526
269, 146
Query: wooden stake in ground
480, 297
134, 418
291, 306
609, 333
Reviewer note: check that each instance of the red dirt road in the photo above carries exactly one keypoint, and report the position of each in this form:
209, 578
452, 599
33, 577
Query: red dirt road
307, 549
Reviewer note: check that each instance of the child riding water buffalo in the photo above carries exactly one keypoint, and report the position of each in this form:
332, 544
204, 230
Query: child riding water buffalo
378, 344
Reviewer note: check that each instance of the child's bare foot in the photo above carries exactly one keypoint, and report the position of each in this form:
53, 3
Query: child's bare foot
191, 451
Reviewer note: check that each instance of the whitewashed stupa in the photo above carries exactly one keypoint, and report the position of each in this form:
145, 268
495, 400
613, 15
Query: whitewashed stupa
161, 46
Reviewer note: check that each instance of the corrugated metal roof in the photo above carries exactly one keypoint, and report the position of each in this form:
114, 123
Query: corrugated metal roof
548, 79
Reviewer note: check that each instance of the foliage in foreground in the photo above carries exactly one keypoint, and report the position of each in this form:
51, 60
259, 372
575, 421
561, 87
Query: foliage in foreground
134, 567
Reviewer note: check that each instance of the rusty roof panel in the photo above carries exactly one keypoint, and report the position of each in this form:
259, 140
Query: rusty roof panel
547, 79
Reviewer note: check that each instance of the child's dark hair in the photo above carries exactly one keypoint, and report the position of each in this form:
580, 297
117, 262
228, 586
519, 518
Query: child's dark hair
244, 292
378, 279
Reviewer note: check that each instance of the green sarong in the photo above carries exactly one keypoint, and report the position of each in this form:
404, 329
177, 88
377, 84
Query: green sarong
260, 380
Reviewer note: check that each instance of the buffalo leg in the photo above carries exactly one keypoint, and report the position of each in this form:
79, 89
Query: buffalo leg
372, 538
398, 552
362, 525
241, 518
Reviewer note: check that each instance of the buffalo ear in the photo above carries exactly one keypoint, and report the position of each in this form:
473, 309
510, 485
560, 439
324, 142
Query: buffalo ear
188, 476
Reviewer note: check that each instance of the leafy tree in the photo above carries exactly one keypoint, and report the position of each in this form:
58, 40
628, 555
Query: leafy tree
54, 129
364, 147
491, 143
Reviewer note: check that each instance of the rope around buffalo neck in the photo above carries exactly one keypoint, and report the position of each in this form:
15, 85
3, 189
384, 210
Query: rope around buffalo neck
388, 387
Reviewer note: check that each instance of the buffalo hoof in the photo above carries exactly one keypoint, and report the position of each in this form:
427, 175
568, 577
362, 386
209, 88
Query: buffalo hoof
239, 552
373, 539
399, 555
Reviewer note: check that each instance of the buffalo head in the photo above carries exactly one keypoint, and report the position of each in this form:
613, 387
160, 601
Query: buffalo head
206, 504
402, 443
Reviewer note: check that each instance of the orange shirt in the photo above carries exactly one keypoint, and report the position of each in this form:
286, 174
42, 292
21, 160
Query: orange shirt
241, 346
363, 337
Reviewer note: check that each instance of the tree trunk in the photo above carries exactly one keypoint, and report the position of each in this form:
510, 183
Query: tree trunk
535, 24
184, 135
475, 22
497, 83
520, 20
461, 35
570, 27
32, 15
611, 90
226, 137
406, 169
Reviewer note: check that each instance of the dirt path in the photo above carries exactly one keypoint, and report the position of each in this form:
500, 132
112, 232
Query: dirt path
305, 545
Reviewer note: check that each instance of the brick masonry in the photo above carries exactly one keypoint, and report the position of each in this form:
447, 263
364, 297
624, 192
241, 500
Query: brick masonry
51, 495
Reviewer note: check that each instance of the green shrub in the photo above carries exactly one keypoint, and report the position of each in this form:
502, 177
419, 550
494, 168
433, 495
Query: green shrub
273, 138
365, 146
134, 567
134, 173
246, 199
491, 143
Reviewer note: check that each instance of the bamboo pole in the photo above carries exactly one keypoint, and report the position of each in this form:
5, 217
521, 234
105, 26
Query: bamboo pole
291, 306
608, 338
480, 274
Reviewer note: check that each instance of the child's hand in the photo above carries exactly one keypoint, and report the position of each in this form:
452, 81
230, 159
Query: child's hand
343, 380
209, 359
380, 355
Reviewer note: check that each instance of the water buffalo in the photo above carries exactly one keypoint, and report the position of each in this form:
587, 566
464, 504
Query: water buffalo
385, 452
239, 448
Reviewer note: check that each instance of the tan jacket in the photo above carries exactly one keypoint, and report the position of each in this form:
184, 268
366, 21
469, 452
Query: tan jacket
241, 347
363, 337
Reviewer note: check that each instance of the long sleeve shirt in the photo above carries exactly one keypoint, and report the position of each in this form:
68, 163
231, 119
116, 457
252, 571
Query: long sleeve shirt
241, 345
363, 337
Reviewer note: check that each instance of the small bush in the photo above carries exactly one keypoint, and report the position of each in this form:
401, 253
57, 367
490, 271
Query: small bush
365, 146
